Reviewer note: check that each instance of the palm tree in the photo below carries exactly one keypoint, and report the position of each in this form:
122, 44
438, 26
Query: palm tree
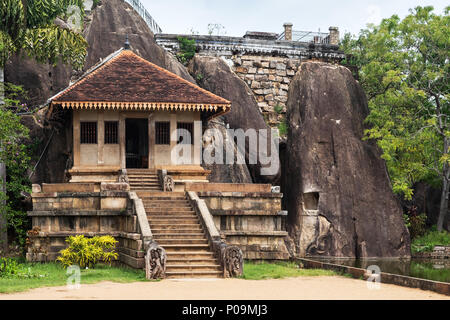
34, 28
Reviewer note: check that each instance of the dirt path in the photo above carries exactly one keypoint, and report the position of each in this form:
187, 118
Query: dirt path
212, 289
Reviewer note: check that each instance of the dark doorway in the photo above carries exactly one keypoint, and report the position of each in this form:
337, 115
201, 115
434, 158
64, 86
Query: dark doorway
136, 143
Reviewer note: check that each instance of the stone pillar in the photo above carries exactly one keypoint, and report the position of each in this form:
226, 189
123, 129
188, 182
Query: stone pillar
122, 142
197, 142
288, 31
173, 133
76, 138
334, 35
100, 136
151, 141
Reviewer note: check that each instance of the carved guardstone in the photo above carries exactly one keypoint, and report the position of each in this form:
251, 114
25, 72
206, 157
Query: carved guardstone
155, 262
169, 183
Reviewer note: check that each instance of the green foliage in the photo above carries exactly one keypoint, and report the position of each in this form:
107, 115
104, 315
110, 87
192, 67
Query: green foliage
283, 128
87, 252
278, 270
403, 67
14, 153
416, 224
278, 108
199, 77
53, 274
32, 30
428, 241
187, 50
11, 268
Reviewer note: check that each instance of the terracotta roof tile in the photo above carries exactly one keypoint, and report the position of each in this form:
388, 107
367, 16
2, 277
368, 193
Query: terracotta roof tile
126, 77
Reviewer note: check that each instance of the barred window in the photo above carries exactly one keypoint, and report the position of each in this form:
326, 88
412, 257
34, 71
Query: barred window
162, 132
111, 132
185, 136
88, 132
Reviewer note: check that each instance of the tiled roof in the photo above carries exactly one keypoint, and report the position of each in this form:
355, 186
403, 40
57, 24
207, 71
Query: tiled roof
127, 79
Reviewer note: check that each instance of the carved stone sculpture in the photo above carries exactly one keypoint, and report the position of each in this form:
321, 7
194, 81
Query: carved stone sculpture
169, 183
155, 262
123, 176
233, 261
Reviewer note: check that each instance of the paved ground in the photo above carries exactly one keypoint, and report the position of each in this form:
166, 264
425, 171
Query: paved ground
301, 288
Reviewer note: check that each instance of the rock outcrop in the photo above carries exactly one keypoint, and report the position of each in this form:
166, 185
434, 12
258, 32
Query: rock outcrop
338, 192
111, 22
224, 173
214, 75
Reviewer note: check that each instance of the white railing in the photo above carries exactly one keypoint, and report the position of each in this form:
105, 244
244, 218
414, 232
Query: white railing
139, 8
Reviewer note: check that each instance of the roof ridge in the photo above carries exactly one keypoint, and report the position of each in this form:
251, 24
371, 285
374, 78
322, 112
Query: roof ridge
90, 72
195, 86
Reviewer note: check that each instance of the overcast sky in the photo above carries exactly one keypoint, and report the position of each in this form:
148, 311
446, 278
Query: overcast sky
239, 16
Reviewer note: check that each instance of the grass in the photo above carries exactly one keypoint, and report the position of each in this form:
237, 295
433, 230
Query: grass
53, 274
427, 242
278, 270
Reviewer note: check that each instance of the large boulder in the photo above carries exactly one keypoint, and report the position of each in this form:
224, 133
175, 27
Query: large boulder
337, 189
216, 137
111, 22
214, 74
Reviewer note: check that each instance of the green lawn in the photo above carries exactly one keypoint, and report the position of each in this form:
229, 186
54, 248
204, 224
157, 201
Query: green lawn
53, 274
429, 240
278, 270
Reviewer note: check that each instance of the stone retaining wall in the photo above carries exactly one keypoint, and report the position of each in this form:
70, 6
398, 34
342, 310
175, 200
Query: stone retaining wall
71, 212
267, 66
253, 221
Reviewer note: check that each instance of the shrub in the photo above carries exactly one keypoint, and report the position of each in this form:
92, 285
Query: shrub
283, 128
11, 268
416, 223
187, 50
87, 252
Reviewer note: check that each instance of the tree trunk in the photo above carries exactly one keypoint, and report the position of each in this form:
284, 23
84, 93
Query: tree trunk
3, 222
445, 189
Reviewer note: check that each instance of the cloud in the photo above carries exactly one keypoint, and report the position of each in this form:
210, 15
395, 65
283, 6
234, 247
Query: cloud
373, 14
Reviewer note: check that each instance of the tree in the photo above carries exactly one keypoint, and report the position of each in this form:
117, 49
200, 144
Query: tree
37, 28
404, 69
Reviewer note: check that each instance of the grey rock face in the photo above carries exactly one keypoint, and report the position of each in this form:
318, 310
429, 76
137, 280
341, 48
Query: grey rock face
337, 189
224, 173
216, 76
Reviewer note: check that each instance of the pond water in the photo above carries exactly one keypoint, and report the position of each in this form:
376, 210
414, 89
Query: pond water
438, 270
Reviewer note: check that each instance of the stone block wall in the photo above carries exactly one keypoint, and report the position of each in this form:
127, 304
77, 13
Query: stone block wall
252, 221
269, 78
266, 65
71, 212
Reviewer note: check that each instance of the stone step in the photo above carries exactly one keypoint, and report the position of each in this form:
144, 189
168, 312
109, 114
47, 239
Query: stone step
162, 236
164, 231
189, 261
145, 188
181, 242
169, 207
193, 274
171, 217
190, 255
158, 222
172, 212
163, 203
179, 227
192, 267
186, 247
141, 185
161, 195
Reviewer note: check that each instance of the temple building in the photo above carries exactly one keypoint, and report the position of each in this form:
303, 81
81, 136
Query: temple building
130, 119
126, 112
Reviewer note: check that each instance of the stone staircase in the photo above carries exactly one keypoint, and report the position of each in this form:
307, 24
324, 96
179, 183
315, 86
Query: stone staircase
143, 180
177, 228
